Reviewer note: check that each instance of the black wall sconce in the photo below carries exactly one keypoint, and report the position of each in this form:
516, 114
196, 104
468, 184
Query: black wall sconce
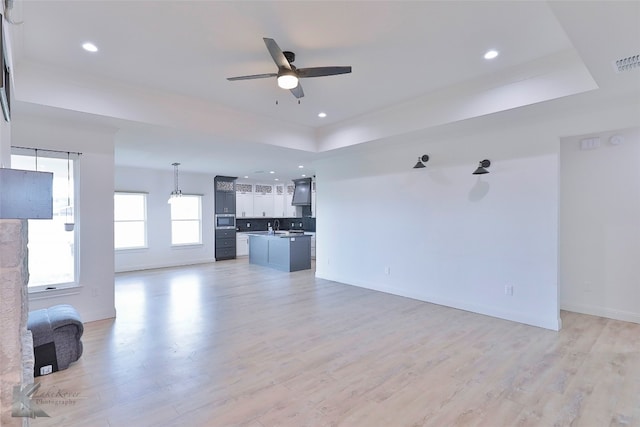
482, 167
421, 161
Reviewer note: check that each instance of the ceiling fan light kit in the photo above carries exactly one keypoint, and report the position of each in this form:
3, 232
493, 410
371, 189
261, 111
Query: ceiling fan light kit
288, 75
287, 80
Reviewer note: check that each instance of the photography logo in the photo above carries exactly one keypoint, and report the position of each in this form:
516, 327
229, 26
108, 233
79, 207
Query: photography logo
23, 405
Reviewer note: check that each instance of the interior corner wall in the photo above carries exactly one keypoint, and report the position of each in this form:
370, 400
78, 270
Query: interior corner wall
600, 225
5, 144
159, 253
94, 298
443, 235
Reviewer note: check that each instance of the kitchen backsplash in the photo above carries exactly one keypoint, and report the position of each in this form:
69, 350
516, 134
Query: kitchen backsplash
262, 224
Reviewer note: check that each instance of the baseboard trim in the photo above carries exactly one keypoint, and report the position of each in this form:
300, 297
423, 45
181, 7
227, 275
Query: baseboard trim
554, 324
161, 265
609, 313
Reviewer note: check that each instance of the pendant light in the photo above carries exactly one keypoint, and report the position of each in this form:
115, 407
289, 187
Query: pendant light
176, 193
69, 224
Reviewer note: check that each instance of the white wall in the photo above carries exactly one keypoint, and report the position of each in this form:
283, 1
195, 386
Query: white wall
600, 226
447, 236
5, 127
5, 144
94, 299
159, 184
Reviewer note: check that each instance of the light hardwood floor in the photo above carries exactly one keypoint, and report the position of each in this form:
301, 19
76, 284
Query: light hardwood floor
232, 344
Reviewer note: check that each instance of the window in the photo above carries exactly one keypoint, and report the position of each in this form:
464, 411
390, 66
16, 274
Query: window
130, 220
186, 220
52, 249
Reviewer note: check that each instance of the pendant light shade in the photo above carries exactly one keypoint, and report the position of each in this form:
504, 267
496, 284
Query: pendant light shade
421, 161
176, 193
481, 167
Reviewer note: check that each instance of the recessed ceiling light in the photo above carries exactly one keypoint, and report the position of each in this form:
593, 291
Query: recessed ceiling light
491, 54
272, 171
276, 179
322, 115
89, 47
300, 166
303, 175
246, 176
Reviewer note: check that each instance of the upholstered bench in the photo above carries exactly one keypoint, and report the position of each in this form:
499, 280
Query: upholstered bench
56, 338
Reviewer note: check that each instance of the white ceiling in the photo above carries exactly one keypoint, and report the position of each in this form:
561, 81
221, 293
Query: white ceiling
178, 54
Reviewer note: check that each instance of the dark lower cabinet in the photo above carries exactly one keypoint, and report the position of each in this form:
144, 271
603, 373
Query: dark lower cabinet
225, 244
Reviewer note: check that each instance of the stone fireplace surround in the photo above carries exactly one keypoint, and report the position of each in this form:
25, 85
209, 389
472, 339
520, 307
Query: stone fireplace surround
16, 344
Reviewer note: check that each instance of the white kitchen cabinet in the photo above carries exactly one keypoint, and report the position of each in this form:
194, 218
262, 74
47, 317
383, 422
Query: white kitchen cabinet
244, 200
290, 211
242, 244
263, 201
279, 200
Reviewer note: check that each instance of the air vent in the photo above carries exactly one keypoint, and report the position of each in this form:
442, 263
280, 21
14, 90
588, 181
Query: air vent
627, 64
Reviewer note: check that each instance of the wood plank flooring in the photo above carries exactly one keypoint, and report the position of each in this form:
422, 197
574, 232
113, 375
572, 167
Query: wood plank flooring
233, 344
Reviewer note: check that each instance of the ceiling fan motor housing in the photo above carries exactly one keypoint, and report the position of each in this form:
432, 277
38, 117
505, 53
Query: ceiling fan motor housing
289, 55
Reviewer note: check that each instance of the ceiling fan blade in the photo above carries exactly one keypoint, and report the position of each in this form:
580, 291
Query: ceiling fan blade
297, 91
253, 76
322, 71
276, 53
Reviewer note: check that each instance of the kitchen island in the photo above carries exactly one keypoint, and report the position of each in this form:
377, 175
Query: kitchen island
282, 250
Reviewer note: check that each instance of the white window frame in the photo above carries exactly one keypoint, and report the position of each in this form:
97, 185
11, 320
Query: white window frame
199, 219
74, 158
145, 245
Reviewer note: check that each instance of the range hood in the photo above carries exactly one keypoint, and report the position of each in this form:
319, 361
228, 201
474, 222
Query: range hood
302, 192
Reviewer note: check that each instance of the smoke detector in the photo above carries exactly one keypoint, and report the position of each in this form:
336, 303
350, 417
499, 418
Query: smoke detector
627, 64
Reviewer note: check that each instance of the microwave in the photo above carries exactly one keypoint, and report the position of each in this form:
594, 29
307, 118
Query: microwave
225, 221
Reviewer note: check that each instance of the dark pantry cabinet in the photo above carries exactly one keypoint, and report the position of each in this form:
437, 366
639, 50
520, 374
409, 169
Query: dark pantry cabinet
225, 199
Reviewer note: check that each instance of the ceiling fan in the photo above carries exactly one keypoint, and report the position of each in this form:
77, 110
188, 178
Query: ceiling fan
288, 75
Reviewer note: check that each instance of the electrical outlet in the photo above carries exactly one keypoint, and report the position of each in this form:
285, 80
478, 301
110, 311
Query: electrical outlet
248, 225
508, 290
387, 270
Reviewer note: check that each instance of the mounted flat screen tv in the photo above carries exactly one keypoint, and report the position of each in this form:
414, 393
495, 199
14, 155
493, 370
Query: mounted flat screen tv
302, 192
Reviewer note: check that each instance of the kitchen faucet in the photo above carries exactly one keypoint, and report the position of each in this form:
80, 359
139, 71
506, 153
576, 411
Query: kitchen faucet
276, 225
